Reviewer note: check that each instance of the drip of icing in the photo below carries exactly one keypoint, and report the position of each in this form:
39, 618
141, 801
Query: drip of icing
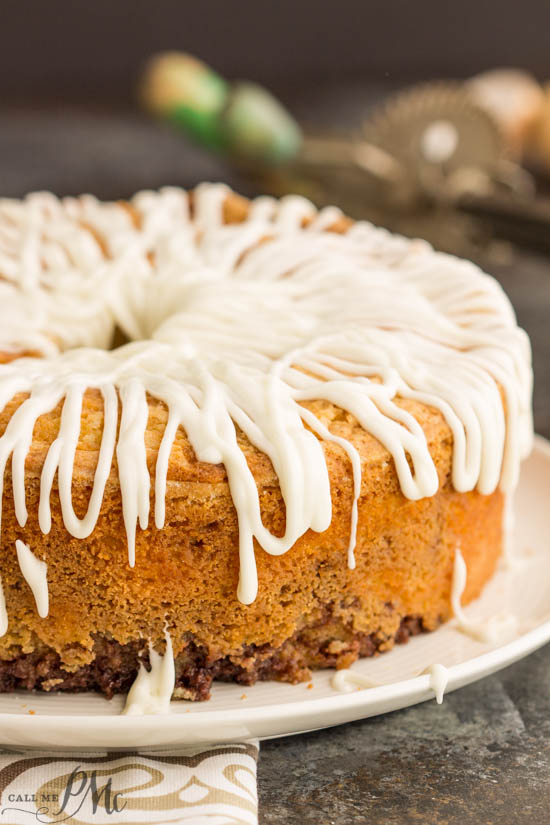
152, 690
495, 629
439, 678
35, 573
346, 680
508, 525
3, 612
240, 326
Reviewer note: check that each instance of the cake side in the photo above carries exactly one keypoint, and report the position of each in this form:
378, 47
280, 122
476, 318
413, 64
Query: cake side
311, 610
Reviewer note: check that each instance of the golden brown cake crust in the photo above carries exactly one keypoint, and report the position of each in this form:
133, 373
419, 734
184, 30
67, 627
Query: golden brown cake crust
310, 607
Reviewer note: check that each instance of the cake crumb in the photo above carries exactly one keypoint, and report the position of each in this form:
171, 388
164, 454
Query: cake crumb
32, 712
310, 686
244, 696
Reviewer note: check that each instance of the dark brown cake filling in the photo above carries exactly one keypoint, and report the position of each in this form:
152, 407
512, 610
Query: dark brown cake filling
115, 666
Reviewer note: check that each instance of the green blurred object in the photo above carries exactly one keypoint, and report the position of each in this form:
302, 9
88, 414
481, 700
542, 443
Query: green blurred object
257, 127
242, 119
199, 124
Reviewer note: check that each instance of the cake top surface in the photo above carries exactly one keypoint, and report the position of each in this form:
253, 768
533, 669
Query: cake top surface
235, 327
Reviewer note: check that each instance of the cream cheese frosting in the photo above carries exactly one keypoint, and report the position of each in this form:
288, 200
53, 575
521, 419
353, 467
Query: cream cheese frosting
439, 679
235, 326
347, 680
35, 573
494, 629
3, 612
152, 689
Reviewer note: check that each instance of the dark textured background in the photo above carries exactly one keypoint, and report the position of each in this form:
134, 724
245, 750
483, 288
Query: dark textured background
65, 49
67, 123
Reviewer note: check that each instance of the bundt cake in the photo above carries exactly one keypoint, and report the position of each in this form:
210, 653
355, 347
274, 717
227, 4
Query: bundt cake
257, 430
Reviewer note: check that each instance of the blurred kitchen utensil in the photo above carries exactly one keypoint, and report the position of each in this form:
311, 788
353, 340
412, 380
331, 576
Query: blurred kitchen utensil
424, 155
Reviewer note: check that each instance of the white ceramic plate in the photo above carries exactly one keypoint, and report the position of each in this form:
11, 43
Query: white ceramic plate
272, 709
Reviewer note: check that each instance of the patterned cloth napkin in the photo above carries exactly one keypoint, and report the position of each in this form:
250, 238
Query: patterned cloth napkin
201, 786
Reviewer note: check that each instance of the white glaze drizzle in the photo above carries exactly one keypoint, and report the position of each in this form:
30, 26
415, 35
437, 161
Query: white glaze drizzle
346, 680
152, 690
3, 611
508, 558
439, 679
35, 573
239, 325
492, 630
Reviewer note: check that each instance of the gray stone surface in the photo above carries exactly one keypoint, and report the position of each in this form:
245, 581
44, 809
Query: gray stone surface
482, 757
